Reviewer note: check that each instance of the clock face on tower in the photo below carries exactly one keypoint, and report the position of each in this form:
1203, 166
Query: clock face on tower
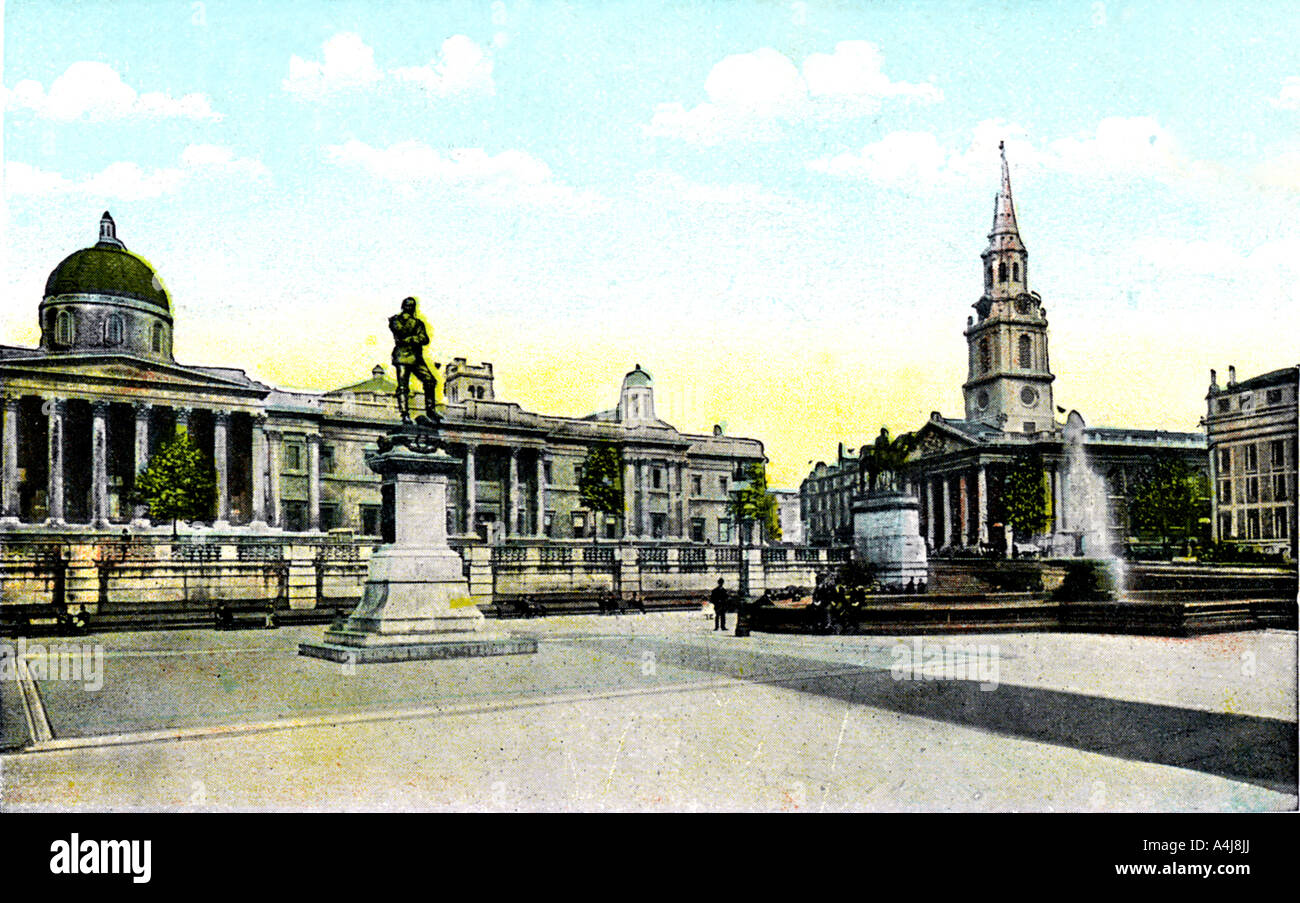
982, 399
1023, 305
1029, 396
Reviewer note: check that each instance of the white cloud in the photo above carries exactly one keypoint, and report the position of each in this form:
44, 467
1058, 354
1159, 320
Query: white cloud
755, 96
1119, 148
510, 177
661, 184
347, 62
1283, 171
1289, 97
129, 181
463, 69
95, 92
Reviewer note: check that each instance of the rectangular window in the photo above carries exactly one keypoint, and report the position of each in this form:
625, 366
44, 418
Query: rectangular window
1225, 526
697, 487
1225, 460
548, 523
1281, 524
368, 517
1252, 490
579, 519
1030, 426
291, 456
658, 525
611, 527
577, 475
1252, 524
546, 472
1225, 492
1277, 450
1225, 405
1279, 487
697, 529
326, 458
722, 484
1252, 458
656, 478
329, 516
724, 530
1274, 396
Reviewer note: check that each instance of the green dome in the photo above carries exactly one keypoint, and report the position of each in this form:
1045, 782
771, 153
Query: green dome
108, 268
637, 377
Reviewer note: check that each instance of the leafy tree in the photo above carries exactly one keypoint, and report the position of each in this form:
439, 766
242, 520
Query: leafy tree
1169, 500
755, 502
885, 456
1025, 496
600, 489
179, 482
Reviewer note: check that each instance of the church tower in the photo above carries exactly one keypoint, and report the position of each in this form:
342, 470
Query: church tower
1009, 385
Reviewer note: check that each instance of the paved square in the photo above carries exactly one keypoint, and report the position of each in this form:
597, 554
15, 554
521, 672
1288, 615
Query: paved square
659, 712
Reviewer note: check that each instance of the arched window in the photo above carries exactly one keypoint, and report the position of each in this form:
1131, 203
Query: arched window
988, 277
113, 330
157, 343
63, 331
1026, 352
1002, 271
1015, 271
986, 356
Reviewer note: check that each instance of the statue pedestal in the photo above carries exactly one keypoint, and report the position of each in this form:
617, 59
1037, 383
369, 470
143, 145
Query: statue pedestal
887, 535
416, 603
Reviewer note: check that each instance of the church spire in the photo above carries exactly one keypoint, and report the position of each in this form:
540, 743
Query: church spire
1006, 262
1004, 211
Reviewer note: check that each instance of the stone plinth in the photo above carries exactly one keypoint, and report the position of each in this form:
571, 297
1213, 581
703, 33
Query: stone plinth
416, 602
887, 535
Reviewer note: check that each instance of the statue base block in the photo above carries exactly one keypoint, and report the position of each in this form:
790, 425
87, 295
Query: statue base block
416, 604
887, 535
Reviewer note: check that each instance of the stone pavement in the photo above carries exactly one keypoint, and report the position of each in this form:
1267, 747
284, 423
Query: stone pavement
658, 712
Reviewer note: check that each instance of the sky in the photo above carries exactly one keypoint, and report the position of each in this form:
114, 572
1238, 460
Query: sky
776, 208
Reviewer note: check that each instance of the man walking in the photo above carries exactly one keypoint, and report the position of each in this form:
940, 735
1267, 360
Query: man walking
719, 599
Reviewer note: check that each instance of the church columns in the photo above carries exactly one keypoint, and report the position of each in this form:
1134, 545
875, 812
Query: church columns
99, 464
258, 470
947, 511
512, 505
9, 503
471, 489
963, 500
932, 488
273, 451
539, 528
140, 514
220, 460
982, 488
56, 407
313, 482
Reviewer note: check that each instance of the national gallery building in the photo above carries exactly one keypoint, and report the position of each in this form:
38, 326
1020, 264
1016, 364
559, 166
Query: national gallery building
83, 413
957, 469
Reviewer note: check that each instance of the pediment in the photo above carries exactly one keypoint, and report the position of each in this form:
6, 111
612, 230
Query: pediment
936, 439
122, 370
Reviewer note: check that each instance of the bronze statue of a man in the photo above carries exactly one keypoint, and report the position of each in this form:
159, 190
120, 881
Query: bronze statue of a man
409, 338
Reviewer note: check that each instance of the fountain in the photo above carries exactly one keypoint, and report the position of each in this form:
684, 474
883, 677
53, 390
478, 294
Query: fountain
1099, 575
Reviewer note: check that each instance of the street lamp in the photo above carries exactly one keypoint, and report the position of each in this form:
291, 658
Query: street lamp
740, 487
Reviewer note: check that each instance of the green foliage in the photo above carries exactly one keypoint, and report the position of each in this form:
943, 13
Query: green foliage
755, 503
601, 487
885, 455
1170, 501
1025, 495
179, 482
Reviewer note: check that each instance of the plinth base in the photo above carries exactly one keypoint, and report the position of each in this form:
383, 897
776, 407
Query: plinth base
416, 648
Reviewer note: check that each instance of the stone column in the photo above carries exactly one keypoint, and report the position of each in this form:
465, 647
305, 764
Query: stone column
963, 501
1058, 504
947, 511
933, 493
9, 504
629, 499
274, 516
642, 499
99, 464
471, 488
541, 495
183, 419
221, 461
512, 498
140, 514
679, 516
257, 470
982, 488
56, 408
313, 482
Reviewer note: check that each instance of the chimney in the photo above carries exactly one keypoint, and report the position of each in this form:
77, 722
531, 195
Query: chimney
1232, 376
1214, 380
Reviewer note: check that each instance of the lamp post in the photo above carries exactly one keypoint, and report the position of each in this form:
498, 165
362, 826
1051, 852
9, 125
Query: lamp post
740, 487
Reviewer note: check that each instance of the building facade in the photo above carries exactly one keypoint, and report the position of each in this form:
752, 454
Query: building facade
957, 468
1251, 431
84, 411
826, 500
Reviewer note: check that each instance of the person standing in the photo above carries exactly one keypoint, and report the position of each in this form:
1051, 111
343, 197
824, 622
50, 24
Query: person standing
719, 599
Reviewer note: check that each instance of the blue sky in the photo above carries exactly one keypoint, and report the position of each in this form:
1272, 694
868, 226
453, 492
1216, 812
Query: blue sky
776, 208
